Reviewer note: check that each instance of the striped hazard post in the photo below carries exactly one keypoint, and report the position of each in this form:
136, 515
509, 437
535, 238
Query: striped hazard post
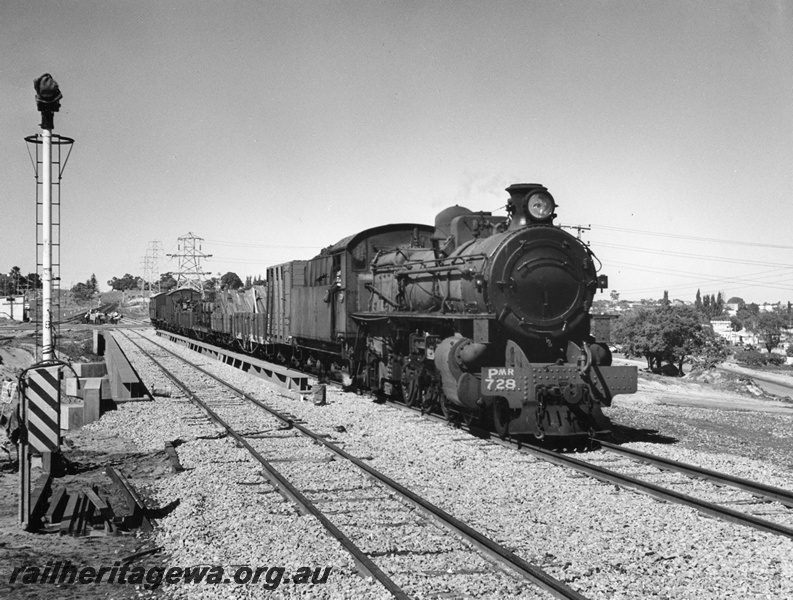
43, 394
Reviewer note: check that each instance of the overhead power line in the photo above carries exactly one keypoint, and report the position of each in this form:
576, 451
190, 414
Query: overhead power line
693, 237
702, 280
253, 245
696, 256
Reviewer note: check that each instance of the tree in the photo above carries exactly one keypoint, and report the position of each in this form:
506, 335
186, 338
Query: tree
615, 296
230, 281
768, 327
746, 316
83, 292
670, 334
167, 282
127, 282
639, 333
15, 276
709, 349
210, 288
33, 281
710, 305
211, 284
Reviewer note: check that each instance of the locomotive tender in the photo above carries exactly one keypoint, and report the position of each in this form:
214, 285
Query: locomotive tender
480, 317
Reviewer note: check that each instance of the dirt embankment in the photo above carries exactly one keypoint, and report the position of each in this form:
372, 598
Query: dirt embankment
86, 454
17, 352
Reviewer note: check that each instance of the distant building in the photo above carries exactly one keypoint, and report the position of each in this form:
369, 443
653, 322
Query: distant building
732, 308
768, 307
723, 329
13, 307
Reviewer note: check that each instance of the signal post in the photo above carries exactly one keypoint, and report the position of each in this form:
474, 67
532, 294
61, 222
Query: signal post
40, 385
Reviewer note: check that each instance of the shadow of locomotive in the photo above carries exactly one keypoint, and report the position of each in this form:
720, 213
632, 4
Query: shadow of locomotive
621, 434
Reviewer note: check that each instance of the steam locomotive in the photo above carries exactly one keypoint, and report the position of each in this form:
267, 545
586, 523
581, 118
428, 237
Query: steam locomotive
482, 318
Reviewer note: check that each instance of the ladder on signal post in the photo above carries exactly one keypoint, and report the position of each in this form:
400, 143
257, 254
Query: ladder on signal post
62, 148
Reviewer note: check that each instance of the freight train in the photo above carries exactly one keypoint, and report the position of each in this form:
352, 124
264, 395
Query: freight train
480, 317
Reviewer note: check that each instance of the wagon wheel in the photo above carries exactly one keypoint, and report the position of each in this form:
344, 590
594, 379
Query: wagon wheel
502, 415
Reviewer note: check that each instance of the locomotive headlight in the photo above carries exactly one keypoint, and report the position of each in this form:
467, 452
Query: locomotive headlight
540, 206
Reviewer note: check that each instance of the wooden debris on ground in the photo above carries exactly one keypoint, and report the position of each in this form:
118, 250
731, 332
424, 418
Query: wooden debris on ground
88, 511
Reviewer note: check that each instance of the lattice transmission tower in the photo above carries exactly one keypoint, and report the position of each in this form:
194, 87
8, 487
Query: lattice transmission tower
151, 267
189, 253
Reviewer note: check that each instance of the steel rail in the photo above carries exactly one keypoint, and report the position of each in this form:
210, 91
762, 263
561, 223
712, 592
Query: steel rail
487, 546
708, 508
776, 494
362, 560
625, 481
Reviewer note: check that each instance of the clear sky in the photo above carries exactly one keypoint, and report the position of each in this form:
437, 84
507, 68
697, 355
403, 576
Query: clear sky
272, 129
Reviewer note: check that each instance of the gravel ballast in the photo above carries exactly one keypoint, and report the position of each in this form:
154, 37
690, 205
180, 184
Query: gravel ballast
603, 541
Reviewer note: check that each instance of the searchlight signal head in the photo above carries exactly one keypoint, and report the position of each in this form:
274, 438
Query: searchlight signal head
48, 97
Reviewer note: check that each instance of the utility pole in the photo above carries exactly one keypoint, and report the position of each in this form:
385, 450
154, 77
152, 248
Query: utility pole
578, 228
190, 254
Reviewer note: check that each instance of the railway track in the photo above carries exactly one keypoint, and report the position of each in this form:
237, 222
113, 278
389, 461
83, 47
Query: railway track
352, 491
759, 490
774, 500
666, 491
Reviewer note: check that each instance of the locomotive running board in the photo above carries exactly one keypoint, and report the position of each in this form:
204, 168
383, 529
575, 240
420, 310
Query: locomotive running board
277, 375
